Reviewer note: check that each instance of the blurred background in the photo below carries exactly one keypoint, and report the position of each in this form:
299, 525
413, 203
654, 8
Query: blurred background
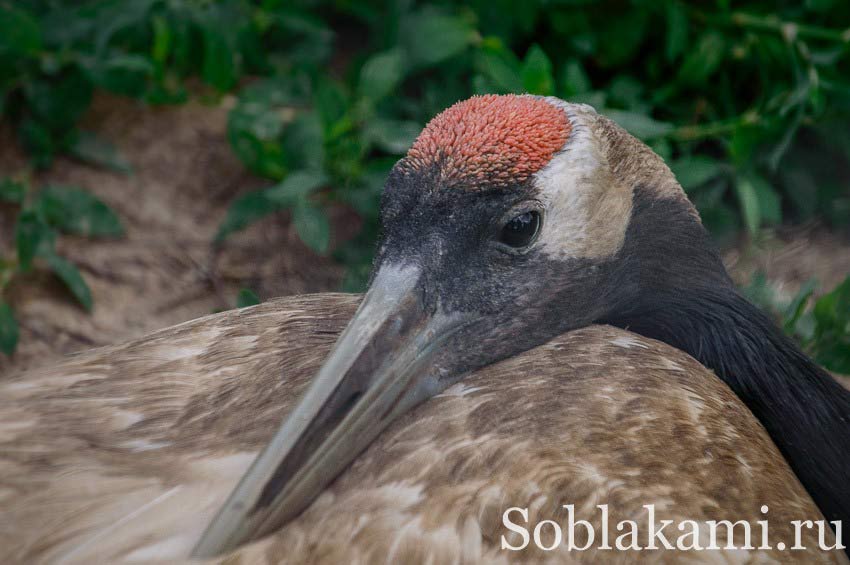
162, 160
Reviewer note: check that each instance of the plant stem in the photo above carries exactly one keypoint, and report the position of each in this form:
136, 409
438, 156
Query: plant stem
712, 129
789, 30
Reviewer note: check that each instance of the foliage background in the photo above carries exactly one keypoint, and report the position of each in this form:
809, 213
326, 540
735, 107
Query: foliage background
749, 103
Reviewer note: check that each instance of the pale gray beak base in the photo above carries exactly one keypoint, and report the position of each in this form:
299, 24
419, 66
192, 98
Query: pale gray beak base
378, 369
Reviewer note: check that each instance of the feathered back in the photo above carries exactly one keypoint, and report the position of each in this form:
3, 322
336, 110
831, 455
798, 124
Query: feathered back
126, 452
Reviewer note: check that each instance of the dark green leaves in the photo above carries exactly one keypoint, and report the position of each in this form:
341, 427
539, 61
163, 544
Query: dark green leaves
272, 133
295, 188
639, 125
35, 238
831, 341
123, 74
30, 233
247, 297
430, 37
500, 67
58, 101
537, 75
72, 278
797, 308
381, 74
759, 202
245, 210
52, 210
311, 224
393, 136
677, 30
694, 171
65, 209
19, 32
219, 67
9, 332
703, 60
12, 191
822, 329
74, 211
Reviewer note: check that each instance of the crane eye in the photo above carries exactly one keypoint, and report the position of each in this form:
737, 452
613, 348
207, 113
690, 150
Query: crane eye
521, 230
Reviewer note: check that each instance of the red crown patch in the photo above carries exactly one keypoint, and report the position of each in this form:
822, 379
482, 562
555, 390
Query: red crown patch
490, 140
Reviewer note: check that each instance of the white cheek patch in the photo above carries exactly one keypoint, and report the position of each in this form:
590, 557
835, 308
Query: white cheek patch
587, 209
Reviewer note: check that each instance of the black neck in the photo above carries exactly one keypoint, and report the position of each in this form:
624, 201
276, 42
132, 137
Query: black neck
677, 291
803, 408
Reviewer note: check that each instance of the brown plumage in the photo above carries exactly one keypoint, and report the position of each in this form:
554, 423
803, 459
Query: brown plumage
126, 452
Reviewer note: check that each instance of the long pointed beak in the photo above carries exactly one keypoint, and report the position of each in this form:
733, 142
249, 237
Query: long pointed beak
378, 369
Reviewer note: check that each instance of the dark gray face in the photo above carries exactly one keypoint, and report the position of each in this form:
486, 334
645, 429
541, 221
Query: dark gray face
512, 298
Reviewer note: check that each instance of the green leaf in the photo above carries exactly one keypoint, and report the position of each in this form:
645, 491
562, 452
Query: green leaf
38, 141
677, 30
639, 125
393, 136
745, 143
749, 201
58, 103
381, 74
303, 142
798, 306
295, 188
703, 60
19, 32
97, 151
244, 211
30, 233
125, 74
247, 297
68, 274
73, 210
626, 92
114, 18
312, 226
162, 40
619, 41
288, 193
430, 37
695, 170
831, 341
576, 80
219, 67
770, 209
502, 67
12, 191
833, 309
331, 103
254, 129
537, 72
9, 333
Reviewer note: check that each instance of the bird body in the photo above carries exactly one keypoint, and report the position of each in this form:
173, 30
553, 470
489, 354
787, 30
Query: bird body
123, 454
513, 225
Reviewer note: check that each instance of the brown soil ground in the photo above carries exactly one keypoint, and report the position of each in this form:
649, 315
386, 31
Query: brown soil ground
165, 271
791, 256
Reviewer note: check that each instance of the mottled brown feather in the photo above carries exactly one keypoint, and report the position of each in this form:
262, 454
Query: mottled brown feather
126, 452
